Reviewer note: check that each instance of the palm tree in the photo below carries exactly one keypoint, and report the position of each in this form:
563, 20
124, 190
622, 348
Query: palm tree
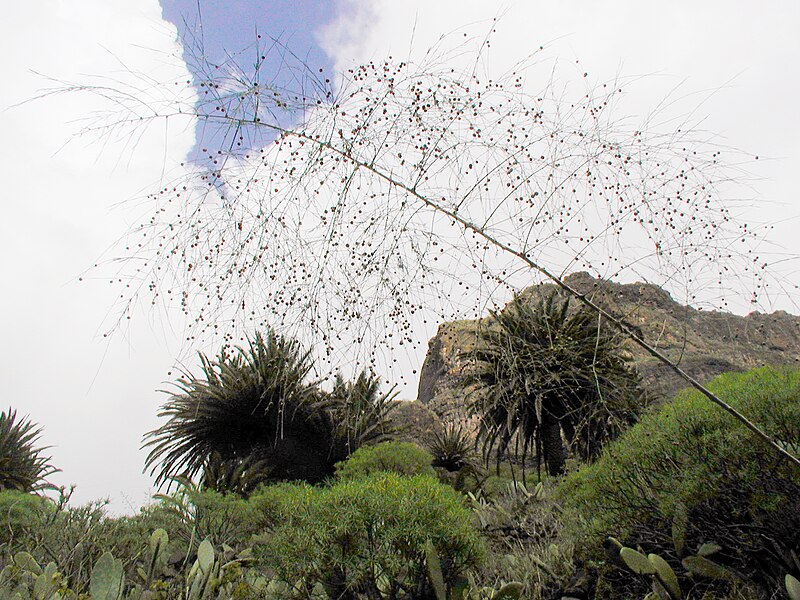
251, 404
22, 465
360, 413
546, 369
253, 417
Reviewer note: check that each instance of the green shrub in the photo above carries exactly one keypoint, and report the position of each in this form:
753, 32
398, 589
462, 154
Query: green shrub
689, 473
404, 458
367, 535
227, 519
21, 515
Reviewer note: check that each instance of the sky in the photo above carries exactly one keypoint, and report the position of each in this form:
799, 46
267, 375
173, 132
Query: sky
93, 386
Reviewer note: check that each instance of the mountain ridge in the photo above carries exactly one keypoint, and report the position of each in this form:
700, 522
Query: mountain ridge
703, 343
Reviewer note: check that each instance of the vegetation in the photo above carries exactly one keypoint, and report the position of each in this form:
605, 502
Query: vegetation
388, 193
367, 536
686, 503
546, 370
688, 475
23, 466
403, 458
255, 417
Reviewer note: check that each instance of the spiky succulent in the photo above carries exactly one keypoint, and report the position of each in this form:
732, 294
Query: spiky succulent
452, 447
253, 403
23, 466
360, 412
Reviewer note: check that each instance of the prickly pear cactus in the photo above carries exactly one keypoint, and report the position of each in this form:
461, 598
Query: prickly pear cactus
108, 579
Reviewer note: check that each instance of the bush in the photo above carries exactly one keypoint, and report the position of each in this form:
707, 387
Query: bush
690, 471
403, 458
21, 515
367, 534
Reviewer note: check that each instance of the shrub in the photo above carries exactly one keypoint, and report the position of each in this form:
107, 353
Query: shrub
689, 473
20, 515
367, 535
403, 458
223, 519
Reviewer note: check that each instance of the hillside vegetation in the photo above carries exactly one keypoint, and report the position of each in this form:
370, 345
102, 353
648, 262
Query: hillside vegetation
569, 486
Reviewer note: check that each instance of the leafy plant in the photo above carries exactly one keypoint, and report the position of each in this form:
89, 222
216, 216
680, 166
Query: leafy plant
403, 458
251, 404
546, 369
360, 413
453, 447
697, 473
23, 466
20, 514
223, 519
238, 475
367, 535
254, 417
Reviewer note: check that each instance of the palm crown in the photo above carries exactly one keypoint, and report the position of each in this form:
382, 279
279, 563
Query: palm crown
253, 416
545, 369
23, 467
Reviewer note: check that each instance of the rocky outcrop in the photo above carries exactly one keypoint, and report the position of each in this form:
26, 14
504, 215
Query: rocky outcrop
703, 343
413, 421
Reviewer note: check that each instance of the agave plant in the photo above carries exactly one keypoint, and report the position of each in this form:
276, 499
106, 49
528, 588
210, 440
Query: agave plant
546, 369
23, 467
452, 447
253, 416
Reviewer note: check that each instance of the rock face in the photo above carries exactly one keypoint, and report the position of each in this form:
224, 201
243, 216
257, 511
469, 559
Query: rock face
703, 343
413, 421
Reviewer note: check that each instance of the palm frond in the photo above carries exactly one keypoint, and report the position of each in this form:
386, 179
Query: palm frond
253, 403
23, 466
538, 364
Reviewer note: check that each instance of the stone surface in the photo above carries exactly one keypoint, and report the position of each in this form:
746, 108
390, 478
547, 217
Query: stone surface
414, 422
703, 343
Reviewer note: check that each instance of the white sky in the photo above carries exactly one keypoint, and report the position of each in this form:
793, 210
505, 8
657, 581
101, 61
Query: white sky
96, 398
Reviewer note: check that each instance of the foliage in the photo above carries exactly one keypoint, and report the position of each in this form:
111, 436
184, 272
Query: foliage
238, 475
360, 413
20, 513
202, 513
522, 527
253, 417
252, 403
543, 369
689, 474
23, 467
214, 573
452, 447
367, 535
403, 458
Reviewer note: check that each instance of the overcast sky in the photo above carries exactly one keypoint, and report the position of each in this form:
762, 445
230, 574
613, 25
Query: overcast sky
735, 62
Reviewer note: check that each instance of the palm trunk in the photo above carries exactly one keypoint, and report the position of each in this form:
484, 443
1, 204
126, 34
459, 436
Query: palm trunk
555, 454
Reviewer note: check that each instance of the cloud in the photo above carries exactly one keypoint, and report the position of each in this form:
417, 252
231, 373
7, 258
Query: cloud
93, 396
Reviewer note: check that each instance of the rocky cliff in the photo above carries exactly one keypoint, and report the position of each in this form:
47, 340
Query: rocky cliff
703, 343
